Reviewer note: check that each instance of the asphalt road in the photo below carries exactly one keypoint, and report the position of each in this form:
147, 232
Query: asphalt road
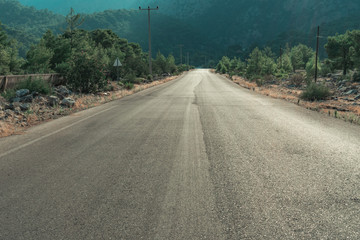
196, 158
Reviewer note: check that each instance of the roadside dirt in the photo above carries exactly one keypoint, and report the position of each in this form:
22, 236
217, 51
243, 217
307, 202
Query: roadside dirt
339, 105
16, 121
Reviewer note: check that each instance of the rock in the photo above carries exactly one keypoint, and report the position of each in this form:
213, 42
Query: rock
16, 99
9, 112
352, 91
357, 97
24, 106
53, 100
63, 91
35, 94
22, 92
12, 106
68, 102
343, 89
17, 110
28, 98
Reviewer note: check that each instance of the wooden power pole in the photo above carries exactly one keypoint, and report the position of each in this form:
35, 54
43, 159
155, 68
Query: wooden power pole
150, 56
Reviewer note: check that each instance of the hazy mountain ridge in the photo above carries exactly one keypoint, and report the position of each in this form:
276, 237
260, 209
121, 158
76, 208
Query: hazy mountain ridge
205, 29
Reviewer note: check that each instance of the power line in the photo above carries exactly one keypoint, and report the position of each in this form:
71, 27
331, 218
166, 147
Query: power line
150, 56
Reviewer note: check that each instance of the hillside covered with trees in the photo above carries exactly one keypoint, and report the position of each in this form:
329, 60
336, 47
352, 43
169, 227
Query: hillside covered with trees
207, 31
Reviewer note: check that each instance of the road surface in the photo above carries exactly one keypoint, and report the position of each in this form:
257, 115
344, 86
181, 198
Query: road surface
196, 158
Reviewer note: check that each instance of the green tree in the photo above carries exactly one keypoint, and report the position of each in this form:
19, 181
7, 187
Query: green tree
38, 58
254, 63
73, 21
299, 56
310, 67
284, 63
355, 49
171, 64
338, 49
160, 64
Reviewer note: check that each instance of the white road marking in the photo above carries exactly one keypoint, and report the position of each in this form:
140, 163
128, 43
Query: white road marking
50, 134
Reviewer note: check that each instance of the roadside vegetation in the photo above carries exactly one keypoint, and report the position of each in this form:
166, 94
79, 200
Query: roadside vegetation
291, 75
297, 64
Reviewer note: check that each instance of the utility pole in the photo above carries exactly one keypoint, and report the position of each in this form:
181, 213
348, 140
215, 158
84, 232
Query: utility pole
181, 46
317, 52
150, 57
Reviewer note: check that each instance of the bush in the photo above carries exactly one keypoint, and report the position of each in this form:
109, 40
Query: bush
9, 94
36, 85
128, 85
130, 77
150, 77
86, 74
315, 92
259, 82
356, 77
297, 80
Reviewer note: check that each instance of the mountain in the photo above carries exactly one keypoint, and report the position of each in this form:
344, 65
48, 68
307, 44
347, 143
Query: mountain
27, 25
207, 29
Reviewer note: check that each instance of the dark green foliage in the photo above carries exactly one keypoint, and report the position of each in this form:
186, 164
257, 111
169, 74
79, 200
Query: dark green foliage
38, 59
86, 74
10, 62
338, 49
315, 92
8, 94
310, 68
130, 78
299, 56
128, 85
35, 85
356, 77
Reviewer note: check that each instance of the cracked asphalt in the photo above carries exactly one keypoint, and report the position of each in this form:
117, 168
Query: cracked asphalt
196, 158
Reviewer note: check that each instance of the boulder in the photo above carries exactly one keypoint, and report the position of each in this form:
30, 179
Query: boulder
53, 100
24, 106
68, 102
28, 98
15, 99
22, 92
62, 91
352, 91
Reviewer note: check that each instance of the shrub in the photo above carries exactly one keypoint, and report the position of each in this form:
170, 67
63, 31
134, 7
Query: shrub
149, 77
8, 94
259, 82
86, 73
35, 85
297, 80
130, 77
356, 77
315, 92
128, 85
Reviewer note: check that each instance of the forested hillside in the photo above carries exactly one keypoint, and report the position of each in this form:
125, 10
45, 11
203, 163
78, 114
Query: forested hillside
206, 30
